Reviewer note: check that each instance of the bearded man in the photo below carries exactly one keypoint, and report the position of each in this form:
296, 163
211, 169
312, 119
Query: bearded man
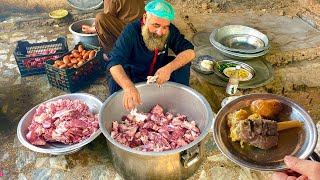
142, 50
116, 15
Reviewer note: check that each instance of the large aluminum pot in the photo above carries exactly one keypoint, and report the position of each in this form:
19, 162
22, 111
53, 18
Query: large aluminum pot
174, 164
76, 30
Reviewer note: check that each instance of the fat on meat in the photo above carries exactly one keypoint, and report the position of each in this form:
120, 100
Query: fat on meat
154, 131
66, 121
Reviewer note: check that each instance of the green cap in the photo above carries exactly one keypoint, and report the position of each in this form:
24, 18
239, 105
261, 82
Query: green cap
161, 9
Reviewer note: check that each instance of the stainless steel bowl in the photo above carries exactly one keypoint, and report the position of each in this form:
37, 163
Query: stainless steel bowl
226, 78
58, 148
240, 56
76, 31
239, 39
179, 163
272, 159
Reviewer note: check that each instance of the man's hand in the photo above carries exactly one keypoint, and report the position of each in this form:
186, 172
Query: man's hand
163, 74
299, 169
88, 29
131, 98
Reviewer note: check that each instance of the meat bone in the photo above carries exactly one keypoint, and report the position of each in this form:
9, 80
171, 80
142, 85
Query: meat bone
288, 125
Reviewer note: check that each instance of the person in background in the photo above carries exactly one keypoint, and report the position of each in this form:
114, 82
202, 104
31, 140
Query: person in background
300, 169
142, 50
109, 24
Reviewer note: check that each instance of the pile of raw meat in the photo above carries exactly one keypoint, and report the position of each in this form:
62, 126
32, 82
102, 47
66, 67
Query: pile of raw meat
154, 131
66, 121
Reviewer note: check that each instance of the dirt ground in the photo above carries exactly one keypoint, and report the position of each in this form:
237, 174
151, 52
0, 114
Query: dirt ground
288, 7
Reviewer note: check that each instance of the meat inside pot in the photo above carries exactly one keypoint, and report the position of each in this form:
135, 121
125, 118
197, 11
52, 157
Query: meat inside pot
155, 131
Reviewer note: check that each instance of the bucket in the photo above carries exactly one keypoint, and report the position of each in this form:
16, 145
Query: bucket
76, 30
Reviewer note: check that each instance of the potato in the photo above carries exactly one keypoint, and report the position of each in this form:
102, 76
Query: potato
66, 59
76, 54
63, 66
59, 62
80, 63
74, 61
86, 56
74, 51
92, 54
56, 65
75, 66
266, 108
80, 48
83, 52
70, 64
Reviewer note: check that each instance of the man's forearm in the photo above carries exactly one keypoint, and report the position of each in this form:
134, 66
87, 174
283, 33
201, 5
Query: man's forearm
181, 59
120, 76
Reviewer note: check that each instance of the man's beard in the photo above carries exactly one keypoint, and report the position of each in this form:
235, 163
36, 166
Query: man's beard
152, 40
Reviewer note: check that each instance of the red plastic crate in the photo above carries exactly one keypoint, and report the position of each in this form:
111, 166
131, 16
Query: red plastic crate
30, 57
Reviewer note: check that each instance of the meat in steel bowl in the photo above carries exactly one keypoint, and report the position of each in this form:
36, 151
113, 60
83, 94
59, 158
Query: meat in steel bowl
61, 125
258, 140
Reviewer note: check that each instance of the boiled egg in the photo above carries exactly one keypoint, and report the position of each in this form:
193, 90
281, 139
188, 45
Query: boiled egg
207, 64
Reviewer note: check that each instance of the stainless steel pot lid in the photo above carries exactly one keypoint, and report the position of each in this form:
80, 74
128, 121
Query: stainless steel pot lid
263, 69
201, 38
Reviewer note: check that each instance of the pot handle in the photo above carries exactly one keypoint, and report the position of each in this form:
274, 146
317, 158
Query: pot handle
190, 156
314, 157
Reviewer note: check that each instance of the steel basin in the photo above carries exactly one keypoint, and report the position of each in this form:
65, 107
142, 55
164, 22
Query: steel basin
174, 164
76, 31
58, 148
239, 39
272, 159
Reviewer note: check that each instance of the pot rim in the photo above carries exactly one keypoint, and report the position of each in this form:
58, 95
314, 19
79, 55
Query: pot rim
174, 151
81, 34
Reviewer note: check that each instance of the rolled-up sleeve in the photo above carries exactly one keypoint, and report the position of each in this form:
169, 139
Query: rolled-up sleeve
122, 49
177, 42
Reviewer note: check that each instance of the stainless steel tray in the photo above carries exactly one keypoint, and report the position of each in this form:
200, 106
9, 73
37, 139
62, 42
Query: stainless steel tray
201, 38
240, 39
263, 69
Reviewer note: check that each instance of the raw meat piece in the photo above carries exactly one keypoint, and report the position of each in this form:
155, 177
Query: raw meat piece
154, 131
64, 121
